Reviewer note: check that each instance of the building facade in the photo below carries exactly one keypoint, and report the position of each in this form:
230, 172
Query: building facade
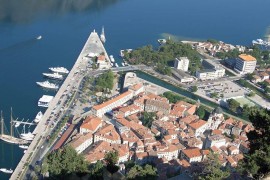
245, 64
181, 63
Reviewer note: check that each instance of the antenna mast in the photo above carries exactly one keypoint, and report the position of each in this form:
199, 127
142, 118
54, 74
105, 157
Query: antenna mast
2, 123
11, 123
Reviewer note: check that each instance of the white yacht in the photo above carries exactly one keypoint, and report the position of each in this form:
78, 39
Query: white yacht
116, 65
38, 117
162, 41
53, 75
45, 100
112, 58
122, 53
39, 37
112, 64
47, 84
59, 70
27, 136
23, 146
123, 64
8, 171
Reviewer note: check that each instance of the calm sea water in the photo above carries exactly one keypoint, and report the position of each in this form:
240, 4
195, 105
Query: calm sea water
65, 25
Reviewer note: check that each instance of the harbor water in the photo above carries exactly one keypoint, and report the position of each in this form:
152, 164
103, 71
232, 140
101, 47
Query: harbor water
65, 25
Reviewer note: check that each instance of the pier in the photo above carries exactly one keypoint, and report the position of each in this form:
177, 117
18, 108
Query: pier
92, 45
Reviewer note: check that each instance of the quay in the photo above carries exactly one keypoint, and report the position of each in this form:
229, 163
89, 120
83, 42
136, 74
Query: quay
92, 45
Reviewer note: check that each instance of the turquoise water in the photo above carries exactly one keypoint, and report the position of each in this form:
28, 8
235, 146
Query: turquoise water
65, 25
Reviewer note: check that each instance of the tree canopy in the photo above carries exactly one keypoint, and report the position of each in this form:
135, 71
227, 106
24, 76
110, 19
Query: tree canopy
201, 112
161, 56
96, 170
213, 169
64, 162
142, 172
105, 81
111, 158
172, 97
148, 118
257, 161
233, 104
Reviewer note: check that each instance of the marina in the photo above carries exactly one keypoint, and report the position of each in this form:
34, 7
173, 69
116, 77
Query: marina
92, 45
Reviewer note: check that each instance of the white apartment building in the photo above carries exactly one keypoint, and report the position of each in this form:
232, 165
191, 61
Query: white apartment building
81, 143
169, 152
245, 64
210, 74
181, 63
101, 109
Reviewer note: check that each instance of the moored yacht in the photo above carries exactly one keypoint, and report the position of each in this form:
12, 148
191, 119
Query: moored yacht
116, 65
53, 75
112, 58
59, 70
47, 84
8, 171
38, 117
23, 146
27, 136
17, 124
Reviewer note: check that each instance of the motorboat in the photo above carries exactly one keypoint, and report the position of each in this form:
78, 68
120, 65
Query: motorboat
8, 171
38, 117
112, 58
59, 70
47, 84
123, 64
45, 100
39, 37
23, 146
53, 75
17, 124
116, 65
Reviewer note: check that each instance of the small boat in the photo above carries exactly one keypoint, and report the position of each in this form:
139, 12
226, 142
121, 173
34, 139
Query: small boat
23, 146
17, 124
112, 64
122, 53
116, 65
38, 117
8, 171
123, 64
27, 136
112, 59
24, 151
162, 41
39, 37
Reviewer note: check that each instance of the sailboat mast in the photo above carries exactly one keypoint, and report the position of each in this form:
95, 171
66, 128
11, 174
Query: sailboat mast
2, 123
11, 123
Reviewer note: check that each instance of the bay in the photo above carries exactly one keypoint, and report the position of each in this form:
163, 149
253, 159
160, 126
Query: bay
65, 25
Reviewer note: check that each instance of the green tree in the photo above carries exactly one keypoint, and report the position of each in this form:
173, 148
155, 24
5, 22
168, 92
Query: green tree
251, 94
63, 162
194, 89
140, 173
111, 159
96, 170
214, 95
172, 97
105, 81
213, 169
257, 162
233, 104
148, 118
200, 112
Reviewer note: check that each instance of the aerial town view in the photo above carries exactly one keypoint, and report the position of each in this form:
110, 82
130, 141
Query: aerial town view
125, 89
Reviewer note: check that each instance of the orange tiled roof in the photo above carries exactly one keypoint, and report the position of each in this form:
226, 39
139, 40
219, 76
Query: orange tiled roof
192, 152
91, 123
247, 57
198, 124
107, 103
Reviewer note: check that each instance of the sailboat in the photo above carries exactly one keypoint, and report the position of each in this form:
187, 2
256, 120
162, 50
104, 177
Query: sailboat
27, 136
10, 138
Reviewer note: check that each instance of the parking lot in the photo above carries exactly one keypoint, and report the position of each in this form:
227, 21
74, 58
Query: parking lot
222, 90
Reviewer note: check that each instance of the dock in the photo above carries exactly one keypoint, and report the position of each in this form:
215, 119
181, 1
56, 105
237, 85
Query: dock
92, 45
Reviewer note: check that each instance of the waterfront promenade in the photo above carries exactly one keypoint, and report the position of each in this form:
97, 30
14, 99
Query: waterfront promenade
92, 45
